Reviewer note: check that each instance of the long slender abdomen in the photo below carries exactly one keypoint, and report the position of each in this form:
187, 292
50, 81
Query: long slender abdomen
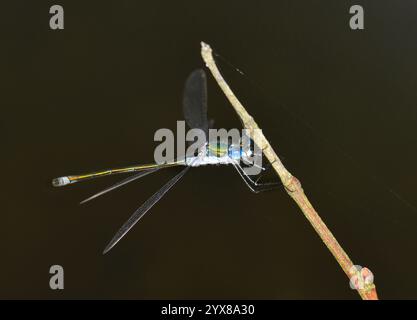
66, 180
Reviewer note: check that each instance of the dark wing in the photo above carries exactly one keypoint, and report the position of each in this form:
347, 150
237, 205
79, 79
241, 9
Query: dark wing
195, 101
140, 212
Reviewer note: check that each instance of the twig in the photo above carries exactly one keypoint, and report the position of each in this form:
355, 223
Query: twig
291, 183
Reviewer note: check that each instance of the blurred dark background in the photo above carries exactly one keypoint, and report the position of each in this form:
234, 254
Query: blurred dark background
338, 105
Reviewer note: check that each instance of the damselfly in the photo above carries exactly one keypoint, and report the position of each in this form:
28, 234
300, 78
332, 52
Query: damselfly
195, 114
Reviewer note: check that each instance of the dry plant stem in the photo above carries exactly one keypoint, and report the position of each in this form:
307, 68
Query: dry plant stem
291, 183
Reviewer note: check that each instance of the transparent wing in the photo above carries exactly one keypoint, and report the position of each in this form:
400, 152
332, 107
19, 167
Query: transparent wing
120, 183
140, 212
195, 101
